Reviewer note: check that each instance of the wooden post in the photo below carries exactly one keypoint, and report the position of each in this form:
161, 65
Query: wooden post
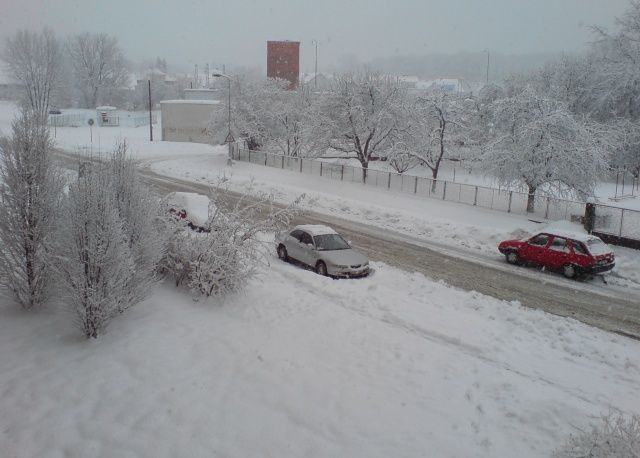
510, 197
444, 190
320, 168
342, 173
475, 197
415, 185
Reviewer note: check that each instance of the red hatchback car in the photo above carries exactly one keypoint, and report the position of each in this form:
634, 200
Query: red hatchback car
573, 254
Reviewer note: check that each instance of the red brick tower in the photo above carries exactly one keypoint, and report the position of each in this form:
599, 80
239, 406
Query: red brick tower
283, 61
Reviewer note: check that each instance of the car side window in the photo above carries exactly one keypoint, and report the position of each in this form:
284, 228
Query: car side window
578, 248
539, 240
296, 234
559, 244
306, 239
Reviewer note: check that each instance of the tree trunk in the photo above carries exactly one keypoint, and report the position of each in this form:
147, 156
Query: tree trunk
365, 169
434, 174
531, 199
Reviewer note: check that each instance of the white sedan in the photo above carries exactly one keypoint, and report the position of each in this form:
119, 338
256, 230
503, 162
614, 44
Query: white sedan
323, 249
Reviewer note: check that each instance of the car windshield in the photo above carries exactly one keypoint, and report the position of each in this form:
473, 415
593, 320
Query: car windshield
330, 242
597, 247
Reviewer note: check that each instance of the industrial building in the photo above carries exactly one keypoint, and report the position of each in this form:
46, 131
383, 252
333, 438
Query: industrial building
187, 120
283, 61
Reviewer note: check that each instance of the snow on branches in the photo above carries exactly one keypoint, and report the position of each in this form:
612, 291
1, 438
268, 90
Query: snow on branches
110, 242
30, 192
539, 142
223, 258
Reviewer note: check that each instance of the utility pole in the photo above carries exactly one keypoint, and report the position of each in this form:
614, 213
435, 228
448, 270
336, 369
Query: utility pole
150, 117
315, 76
488, 56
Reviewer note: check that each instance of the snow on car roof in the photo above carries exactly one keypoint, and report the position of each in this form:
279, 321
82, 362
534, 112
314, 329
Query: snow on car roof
196, 205
316, 229
569, 230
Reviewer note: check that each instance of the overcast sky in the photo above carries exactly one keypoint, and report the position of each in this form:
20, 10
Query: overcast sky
235, 31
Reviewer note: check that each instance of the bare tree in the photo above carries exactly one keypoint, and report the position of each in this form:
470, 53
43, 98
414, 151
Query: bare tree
34, 59
98, 63
360, 116
435, 123
30, 192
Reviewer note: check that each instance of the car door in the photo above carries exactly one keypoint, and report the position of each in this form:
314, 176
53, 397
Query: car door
293, 246
307, 249
557, 254
534, 250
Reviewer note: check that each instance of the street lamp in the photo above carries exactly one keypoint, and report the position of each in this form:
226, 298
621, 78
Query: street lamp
229, 140
488, 55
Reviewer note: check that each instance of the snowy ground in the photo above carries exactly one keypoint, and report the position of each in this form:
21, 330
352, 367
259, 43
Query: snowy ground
301, 365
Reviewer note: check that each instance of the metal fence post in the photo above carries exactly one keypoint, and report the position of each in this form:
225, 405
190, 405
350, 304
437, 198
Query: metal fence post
301, 164
415, 185
265, 159
475, 197
320, 168
510, 198
444, 190
249, 154
546, 212
282, 163
342, 173
389, 180
621, 223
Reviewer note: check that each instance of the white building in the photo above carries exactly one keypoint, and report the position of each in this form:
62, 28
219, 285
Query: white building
187, 120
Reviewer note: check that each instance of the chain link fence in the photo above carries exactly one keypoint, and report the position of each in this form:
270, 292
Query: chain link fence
611, 220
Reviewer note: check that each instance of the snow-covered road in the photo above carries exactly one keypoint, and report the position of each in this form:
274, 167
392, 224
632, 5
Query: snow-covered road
613, 310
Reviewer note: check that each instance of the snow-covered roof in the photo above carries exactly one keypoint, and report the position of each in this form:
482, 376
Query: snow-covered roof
191, 102
408, 79
309, 77
106, 108
316, 229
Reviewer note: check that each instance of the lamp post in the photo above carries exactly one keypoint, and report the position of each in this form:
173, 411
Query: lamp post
488, 56
315, 76
229, 140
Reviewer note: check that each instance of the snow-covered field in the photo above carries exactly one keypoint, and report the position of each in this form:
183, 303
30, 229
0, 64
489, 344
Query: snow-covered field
301, 365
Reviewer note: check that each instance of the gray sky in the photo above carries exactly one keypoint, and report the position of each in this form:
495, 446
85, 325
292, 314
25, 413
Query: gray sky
235, 32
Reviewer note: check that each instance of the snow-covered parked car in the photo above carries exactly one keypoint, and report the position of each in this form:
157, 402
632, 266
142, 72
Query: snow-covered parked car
572, 253
190, 207
323, 249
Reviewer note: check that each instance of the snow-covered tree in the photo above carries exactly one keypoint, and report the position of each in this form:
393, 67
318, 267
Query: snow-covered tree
99, 65
435, 124
30, 192
538, 142
34, 59
269, 116
95, 263
224, 259
400, 159
615, 435
626, 152
139, 212
361, 116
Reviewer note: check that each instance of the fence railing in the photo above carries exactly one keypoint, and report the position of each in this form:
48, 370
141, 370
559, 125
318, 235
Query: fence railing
611, 220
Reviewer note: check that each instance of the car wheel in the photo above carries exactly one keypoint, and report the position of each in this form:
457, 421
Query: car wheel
569, 271
282, 253
512, 257
321, 268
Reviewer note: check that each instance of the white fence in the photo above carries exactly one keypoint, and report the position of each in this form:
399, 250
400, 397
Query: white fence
611, 220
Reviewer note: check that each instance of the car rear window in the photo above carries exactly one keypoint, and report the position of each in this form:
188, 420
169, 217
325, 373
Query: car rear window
559, 244
597, 247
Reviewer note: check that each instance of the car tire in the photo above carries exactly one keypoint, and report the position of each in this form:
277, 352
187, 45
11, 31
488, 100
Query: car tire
321, 269
570, 271
512, 257
282, 253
